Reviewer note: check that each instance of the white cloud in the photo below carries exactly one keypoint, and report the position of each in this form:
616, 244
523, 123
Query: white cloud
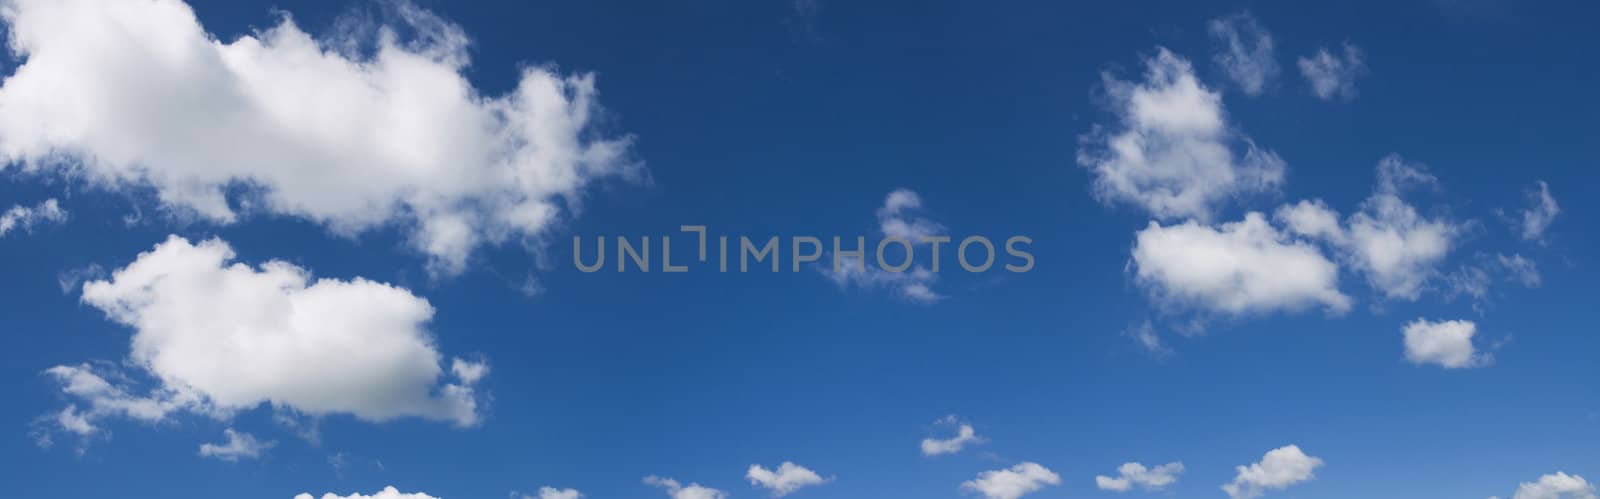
1278, 469
788, 478
676, 490
26, 217
1131, 474
1557, 486
965, 435
898, 218
239, 445
136, 94
1446, 343
1538, 217
1396, 248
1332, 75
221, 337
1172, 152
1239, 267
1520, 269
1247, 57
1012, 483
555, 493
1144, 334
386, 493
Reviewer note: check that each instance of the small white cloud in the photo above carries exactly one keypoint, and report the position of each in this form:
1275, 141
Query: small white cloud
1277, 470
555, 493
676, 490
1247, 56
1131, 474
1557, 486
27, 217
1333, 76
1239, 267
965, 435
1172, 152
239, 445
386, 493
1017, 481
1536, 218
897, 218
1145, 336
1446, 343
788, 478
1520, 269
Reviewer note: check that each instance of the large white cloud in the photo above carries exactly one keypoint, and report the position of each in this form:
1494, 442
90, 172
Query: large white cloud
26, 217
1277, 470
1388, 241
1131, 474
1013, 482
221, 337
1446, 343
1238, 267
133, 94
1172, 152
1247, 55
1558, 485
788, 478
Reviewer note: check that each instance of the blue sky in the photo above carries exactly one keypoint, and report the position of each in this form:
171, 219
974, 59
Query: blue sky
1343, 257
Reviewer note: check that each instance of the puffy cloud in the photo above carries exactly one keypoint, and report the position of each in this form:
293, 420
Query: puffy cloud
1556, 486
239, 445
1446, 343
1536, 218
1332, 75
26, 217
386, 493
555, 493
1278, 469
1238, 267
788, 478
676, 490
965, 434
1131, 474
898, 218
221, 337
139, 94
1172, 152
1396, 248
1012, 483
1247, 55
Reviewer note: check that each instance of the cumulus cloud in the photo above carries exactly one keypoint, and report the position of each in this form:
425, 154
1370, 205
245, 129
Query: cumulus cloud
1172, 152
1132, 474
1556, 486
386, 493
1333, 76
900, 217
1277, 470
1446, 343
1247, 56
239, 445
1238, 267
1388, 241
555, 493
139, 94
788, 478
676, 490
965, 435
1013, 482
1535, 219
221, 337
26, 217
